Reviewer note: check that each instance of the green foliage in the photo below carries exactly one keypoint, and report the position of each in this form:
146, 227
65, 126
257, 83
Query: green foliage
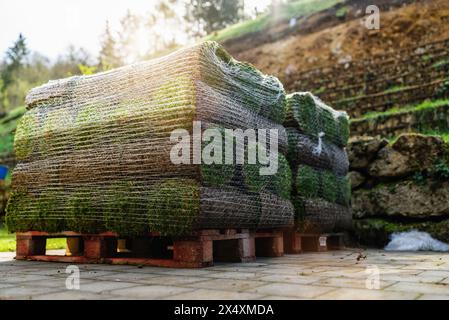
426, 105
395, 89
6, 144
173, 206
440, 171
87, 70
441, 64
8, 241
109, 57
213, 15
14, 61
443, 90
285, 12
342, 12
419, 178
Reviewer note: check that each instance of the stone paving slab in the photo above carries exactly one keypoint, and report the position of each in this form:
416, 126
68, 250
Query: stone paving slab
345, 274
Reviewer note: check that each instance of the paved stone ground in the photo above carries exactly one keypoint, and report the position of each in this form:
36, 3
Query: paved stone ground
331, 275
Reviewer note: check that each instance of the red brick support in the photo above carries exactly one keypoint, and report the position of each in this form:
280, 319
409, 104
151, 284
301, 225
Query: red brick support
98, 246
270, 244
28, 245
292, 242
247, 249
195, 251
315, 243
141, 246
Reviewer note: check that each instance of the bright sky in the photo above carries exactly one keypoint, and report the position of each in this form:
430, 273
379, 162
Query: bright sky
50, 26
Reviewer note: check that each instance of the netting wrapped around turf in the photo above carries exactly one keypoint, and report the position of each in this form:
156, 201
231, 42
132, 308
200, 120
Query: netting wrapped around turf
304, 149
321, 191
314, 118
95, 151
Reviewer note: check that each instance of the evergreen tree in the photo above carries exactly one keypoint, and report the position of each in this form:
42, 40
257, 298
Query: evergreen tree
127, 38
208, 16
12, 64
109, 57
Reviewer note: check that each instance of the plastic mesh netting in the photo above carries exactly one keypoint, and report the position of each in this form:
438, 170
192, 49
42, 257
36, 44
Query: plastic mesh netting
314, 118
94, 151
321, 191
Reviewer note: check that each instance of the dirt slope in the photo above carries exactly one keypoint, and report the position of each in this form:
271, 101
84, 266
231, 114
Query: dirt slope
324, 38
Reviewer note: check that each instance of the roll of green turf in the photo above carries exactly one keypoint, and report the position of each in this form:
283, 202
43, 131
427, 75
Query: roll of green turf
313, 118
173, 205
312, 183
279, 183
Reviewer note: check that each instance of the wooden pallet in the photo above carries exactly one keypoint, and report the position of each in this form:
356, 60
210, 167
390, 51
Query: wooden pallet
200, 249
295, 242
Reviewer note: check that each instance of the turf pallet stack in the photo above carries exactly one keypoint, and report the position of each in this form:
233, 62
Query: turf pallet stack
317, 137
94, 151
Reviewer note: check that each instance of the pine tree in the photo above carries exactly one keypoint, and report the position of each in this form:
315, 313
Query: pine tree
213, 15
127, 38
109, 58
13, 62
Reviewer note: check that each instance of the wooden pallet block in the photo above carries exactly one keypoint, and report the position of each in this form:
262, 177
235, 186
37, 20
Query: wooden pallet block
200, 249
295, 242
269, 243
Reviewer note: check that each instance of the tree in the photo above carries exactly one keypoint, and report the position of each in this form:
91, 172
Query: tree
128, 37
164, 27
12, 64
68, 63
207, 16
109, 57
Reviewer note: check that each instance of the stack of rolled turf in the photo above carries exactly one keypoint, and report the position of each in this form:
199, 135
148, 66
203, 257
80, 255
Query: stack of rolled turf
317, 136
95, 151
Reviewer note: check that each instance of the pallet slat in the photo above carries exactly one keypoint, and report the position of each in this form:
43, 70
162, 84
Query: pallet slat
295, 242
200, 249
